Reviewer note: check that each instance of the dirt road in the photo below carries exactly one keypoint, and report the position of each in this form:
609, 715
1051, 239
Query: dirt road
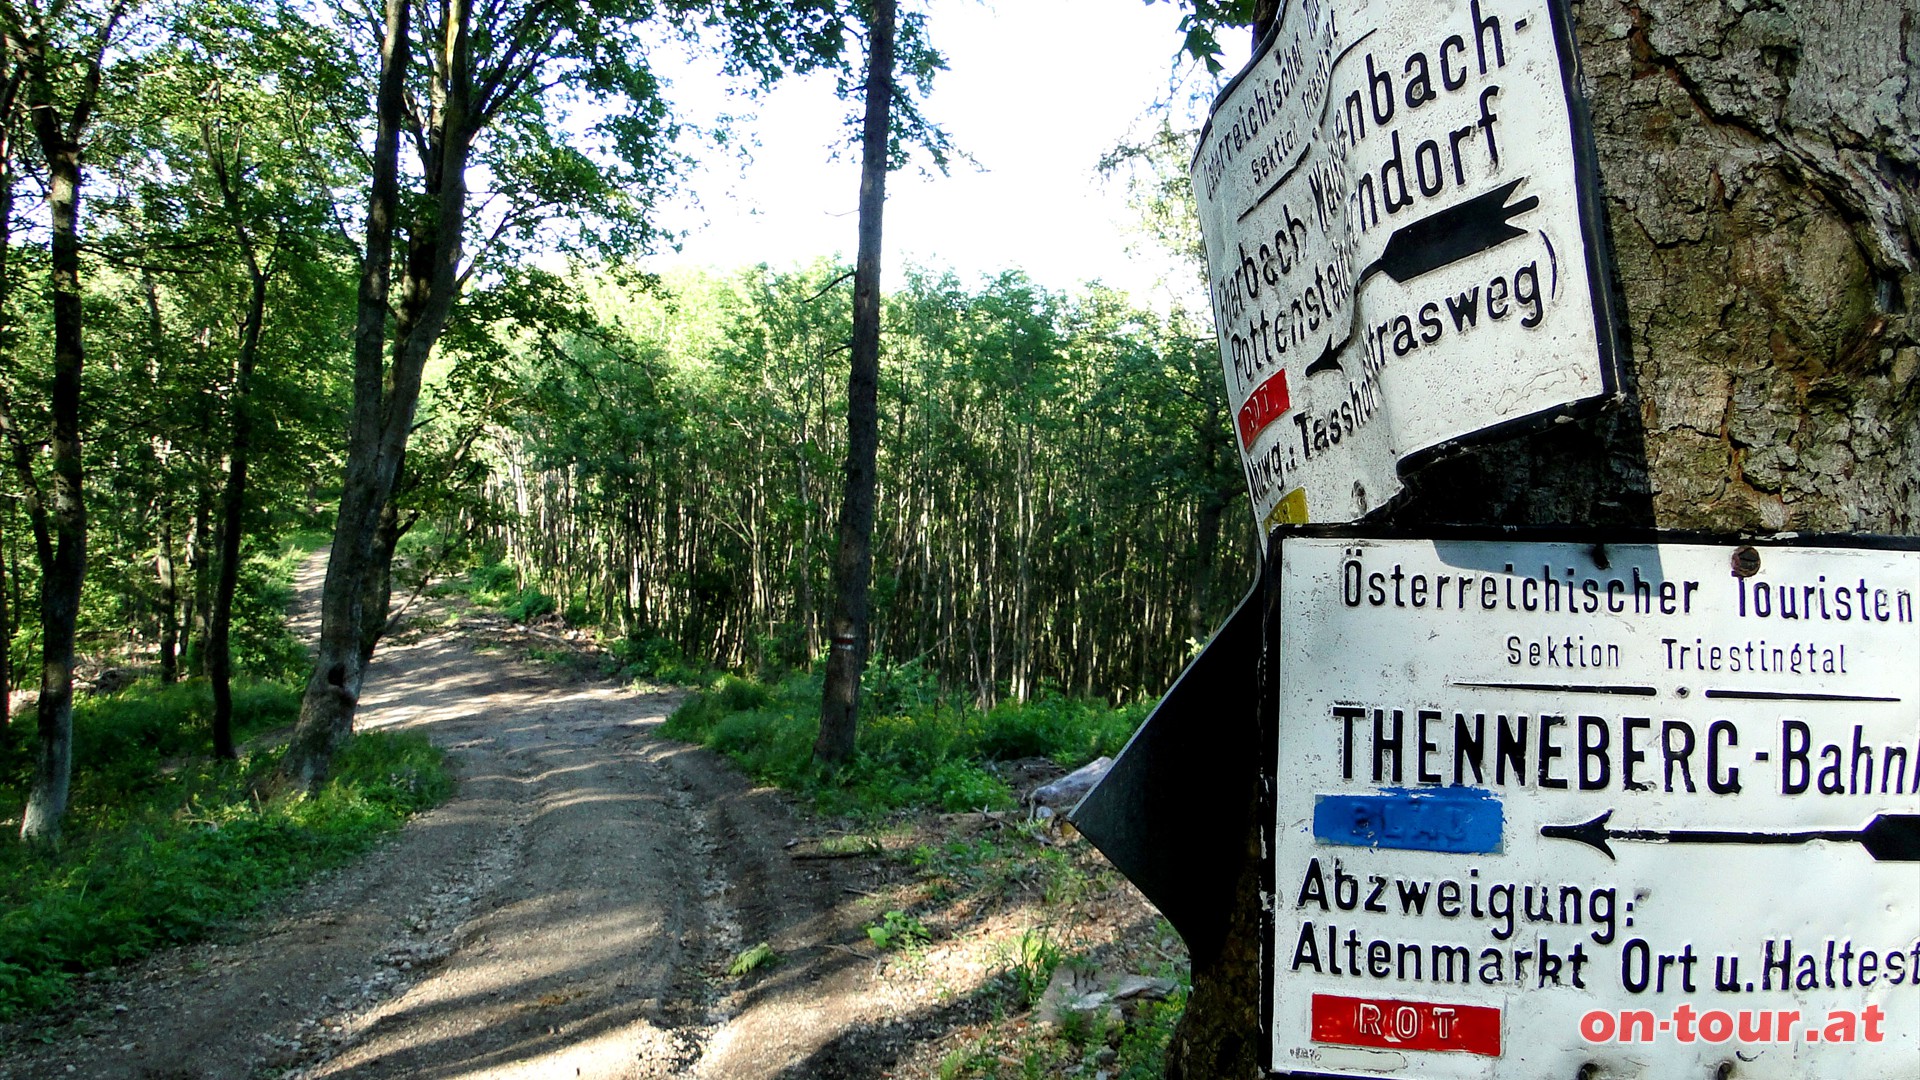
570, 912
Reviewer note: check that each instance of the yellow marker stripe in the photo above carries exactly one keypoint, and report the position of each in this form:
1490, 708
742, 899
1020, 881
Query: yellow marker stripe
1290, 510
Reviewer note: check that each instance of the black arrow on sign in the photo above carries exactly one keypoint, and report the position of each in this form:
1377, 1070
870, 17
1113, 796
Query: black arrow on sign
1328, 360
1447, 236
1888, 837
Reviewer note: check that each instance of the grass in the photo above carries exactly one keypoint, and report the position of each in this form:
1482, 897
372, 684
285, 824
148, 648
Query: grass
162, 843
920, 751
898, 930
1082, 1044
916, 749
641, 658
158, 850
496, 585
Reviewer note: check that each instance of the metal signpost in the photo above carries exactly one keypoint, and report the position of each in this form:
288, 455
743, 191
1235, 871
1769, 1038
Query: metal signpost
1650, 807
1402, 243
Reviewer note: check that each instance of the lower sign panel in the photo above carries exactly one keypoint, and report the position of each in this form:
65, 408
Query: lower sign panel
1616, 805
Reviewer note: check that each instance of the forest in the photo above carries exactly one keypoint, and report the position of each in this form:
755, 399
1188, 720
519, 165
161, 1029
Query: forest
658, 455
279, 276
426, 619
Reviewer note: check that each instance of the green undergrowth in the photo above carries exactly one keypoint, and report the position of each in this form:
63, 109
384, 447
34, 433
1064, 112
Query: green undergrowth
163, 844
641, 656
917, 749
497, 586
1067, 902
1086, 1045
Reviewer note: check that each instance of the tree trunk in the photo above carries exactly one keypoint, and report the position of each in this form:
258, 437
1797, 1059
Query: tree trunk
326, 709
169, 580
233, 500
233, 506
64, 567
6, 633
1760, 174
379, 586
353, 598
853, 558
10, 81
165, 573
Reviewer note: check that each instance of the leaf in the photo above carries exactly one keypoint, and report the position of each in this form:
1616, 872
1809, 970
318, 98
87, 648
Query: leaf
761, 955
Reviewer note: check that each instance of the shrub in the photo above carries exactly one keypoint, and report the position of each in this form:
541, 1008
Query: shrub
936, 754
657, 658
527, 605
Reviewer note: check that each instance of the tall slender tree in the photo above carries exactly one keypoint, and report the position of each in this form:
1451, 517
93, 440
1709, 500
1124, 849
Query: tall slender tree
853, 558
233, 498
61, 49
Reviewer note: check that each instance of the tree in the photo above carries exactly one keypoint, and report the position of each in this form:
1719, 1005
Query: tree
891, 124
1160, 190
853, 558
226, 166
448, 75
214, 264
1766, 236
61, 53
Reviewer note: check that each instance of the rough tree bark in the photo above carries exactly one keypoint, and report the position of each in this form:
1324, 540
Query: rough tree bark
199, 600
11, 75
6, 637
1761, 170
386, 395
853, 559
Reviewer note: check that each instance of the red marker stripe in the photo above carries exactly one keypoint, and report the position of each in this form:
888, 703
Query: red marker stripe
1406, 1025
1265, 405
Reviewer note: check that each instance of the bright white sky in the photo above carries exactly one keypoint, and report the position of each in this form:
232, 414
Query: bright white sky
1035, 92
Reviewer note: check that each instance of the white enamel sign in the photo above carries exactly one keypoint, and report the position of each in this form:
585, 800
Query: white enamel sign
1400, 243
1653, 809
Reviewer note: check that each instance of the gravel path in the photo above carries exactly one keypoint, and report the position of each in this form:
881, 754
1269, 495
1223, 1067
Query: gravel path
570, 912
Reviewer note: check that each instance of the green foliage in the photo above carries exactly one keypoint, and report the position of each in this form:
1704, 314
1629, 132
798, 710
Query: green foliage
1143, 1047
488, 582
939, 754
753, 958
527, 605
656, 658
261, 643
1030, 962
898, 930
1203, 20
122, 741
497, 585
1071, 731
1063, 465
160, 849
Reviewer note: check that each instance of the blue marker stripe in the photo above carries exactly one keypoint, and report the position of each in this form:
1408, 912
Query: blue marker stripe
1460, 820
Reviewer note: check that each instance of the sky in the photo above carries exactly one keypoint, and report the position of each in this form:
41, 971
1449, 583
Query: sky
1035, 92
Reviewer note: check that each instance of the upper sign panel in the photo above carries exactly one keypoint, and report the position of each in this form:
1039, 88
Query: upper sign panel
1401, 243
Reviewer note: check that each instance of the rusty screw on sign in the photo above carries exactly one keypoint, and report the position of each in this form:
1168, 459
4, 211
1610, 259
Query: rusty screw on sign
1746, 562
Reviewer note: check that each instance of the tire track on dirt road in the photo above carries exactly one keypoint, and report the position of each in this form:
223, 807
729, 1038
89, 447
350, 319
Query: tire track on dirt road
569, 912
